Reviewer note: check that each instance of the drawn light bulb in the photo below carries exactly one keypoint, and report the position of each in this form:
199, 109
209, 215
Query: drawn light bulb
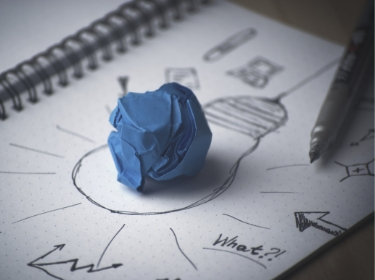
254, 117
245, 119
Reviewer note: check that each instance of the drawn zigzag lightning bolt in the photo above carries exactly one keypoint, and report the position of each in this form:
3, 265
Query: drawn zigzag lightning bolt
90, 268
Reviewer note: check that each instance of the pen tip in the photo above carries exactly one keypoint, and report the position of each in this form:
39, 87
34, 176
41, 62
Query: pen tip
314, 155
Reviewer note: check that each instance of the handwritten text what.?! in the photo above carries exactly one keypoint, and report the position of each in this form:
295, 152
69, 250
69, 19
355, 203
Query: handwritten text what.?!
258, 251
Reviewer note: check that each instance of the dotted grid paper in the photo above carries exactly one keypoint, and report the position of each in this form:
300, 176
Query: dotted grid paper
257, 208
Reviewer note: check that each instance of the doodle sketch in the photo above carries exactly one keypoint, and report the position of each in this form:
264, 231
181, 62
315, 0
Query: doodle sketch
65, 216
245, 222
369, 136
305, 220
39, 262
123, 81
187, 77
229, 44
90, 268
182, 252
35, 150
256, 72
361, 169
46, 212
74, 134
255, 117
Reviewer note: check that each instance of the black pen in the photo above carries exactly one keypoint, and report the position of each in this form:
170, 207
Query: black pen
344, 89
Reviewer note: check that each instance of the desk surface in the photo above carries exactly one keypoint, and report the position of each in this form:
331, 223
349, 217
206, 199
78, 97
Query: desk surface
353, 256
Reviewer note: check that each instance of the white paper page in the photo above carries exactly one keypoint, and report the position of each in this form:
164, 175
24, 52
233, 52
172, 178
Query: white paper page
64, 215
29, 27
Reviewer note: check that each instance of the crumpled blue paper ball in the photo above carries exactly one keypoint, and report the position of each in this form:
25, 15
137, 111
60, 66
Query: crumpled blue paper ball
161, 134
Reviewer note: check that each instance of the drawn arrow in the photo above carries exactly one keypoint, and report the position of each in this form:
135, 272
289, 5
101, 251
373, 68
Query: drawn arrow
57, 247
74, 267
32, 264
315, 219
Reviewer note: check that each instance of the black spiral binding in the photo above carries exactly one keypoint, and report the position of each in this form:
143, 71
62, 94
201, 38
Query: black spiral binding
130, 19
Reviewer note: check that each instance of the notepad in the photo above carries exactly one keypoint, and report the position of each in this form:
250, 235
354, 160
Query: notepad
257, 208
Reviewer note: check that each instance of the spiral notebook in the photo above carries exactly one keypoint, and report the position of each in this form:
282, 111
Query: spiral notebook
258, 207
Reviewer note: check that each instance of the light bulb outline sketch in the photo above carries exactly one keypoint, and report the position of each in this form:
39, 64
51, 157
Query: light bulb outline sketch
268, 114
270, 111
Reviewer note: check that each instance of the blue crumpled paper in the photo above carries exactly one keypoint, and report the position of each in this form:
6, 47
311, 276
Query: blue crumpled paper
161, 134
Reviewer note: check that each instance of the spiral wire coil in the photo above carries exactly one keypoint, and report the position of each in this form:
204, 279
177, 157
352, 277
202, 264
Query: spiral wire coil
130, 19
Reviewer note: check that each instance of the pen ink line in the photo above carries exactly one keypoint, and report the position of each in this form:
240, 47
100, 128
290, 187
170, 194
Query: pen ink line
309, 78
182, 251
28, 173
123, 81
74, 266
100, 259
35, 150
220, 250
245, 222
74, 134
46, 212
284, 166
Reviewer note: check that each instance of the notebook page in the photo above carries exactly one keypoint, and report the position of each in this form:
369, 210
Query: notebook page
31, 27
258, 206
